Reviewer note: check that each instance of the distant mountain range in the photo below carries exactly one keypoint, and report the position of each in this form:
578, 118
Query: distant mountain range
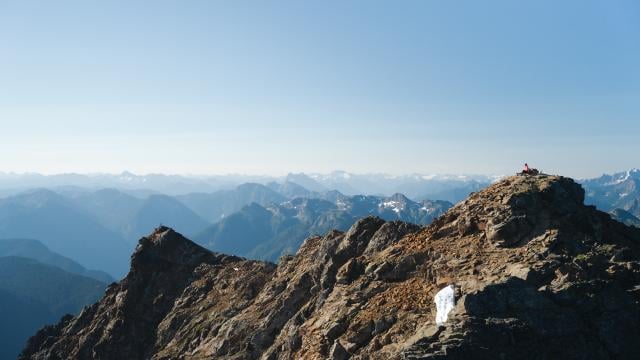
35, 250
452, 188
269, 232
64, 228
37, 287
215, 206
618, 191
167, 184
98, 227
416, 186
33, 294
132, 217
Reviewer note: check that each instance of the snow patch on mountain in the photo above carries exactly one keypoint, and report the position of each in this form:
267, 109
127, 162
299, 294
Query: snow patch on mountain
396, 206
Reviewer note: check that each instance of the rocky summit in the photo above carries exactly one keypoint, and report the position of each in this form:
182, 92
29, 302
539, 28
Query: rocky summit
537, 275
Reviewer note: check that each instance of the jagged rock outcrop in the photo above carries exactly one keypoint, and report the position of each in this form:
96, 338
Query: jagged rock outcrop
538, 275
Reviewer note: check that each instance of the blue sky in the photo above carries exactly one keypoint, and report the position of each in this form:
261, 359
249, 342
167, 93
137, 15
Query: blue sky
269, 87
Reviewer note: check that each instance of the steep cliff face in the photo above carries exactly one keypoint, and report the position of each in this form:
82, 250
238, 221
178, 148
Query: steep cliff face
537, 275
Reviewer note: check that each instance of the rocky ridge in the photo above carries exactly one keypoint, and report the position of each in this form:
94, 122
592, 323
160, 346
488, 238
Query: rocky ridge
537, 273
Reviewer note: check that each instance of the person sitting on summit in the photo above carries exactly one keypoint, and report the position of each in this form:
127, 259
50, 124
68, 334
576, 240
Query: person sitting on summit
526, 170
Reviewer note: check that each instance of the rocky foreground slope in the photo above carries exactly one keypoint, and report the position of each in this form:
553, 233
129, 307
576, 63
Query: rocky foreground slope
538, 275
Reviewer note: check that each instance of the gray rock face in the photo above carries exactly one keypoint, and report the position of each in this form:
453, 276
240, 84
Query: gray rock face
538, 275
508, 232
389, 233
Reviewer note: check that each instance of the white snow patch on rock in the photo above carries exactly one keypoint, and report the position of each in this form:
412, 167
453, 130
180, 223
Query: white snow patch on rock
445, 301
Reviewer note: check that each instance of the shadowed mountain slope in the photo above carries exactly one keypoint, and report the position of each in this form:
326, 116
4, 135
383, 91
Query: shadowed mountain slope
625, 217
215, 206
33, 295
64, 228
34, 249
132, 217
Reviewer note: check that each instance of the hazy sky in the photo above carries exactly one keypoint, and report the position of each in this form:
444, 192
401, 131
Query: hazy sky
276, 86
